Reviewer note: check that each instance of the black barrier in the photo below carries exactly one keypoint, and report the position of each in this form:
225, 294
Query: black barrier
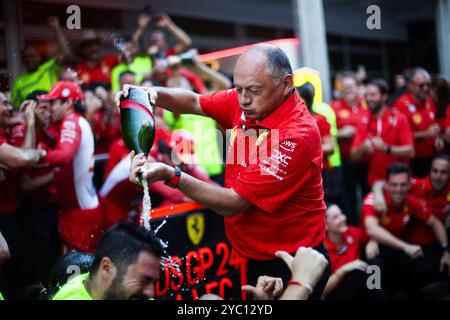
203, 260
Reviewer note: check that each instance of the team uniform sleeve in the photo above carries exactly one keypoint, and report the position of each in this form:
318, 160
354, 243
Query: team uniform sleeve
219, 106
398, 105
67, 145
367, 209
269, 184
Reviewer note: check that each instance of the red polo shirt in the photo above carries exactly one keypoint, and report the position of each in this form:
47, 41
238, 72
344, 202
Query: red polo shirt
325, 131
46, 194
394, 129
437, 204
397, 217
104, 134
100, 73
444, 123
285, 187
348, 116
420, 117
347, 251
8, 196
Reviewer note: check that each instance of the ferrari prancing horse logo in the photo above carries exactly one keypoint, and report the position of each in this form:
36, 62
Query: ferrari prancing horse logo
195, 224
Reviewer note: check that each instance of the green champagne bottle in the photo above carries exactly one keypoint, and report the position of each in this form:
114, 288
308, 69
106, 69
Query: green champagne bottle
137, 121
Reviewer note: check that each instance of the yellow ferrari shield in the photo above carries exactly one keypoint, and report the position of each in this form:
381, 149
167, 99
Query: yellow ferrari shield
195, 224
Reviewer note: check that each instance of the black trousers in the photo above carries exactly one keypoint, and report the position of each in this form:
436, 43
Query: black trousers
40, 223
15, 274
355, 184
354, 287
277, 268
401, 272
335, 192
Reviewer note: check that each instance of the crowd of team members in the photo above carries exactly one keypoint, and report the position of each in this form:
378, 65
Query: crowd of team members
61, 114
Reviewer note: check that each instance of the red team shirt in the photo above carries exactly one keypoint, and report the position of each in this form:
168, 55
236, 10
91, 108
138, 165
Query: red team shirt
100, 73
104, 134
397, 217
444, 123
46, 141
285, 187
420, 119
348, 116
347, 251
80, 219
437, 204
325, 131
394, 129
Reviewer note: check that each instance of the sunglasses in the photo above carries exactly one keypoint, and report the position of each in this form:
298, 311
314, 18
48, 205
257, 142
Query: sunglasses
423, 85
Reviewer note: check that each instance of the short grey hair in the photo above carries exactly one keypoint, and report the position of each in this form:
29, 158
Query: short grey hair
278, 61
412, 72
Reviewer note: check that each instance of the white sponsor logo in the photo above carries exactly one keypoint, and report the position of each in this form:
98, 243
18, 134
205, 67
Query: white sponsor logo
288, 145
266, 162
280, 157
65, 92
69, 125
269, 171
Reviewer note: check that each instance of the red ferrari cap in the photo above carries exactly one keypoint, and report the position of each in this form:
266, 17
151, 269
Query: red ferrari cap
63, 90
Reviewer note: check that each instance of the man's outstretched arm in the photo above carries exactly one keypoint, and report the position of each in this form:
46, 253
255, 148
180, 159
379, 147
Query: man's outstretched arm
173, 99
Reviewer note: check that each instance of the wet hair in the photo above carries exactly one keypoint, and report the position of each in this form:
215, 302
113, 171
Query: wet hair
381, 84
396, 168
413, 71
307, 92
126, 37
123, 243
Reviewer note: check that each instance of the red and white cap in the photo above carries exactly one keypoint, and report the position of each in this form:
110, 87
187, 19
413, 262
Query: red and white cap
63, 90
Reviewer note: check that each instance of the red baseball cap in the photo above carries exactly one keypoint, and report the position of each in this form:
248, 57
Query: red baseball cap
63, 90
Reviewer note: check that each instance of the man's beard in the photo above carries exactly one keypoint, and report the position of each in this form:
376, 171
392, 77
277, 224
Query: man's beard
114, 292
376, 107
